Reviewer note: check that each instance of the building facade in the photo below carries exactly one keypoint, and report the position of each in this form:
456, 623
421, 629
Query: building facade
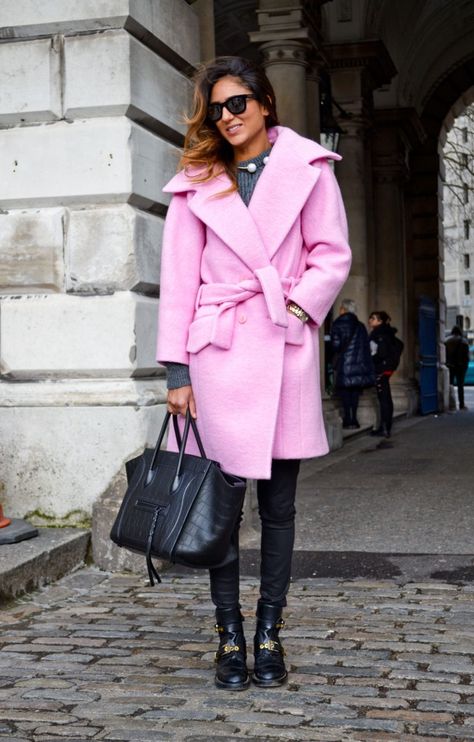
458, 221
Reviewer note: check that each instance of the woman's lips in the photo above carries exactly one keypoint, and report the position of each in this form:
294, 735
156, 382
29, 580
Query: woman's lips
233, 129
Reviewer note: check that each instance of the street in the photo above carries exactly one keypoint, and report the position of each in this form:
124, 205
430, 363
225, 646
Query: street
97, 656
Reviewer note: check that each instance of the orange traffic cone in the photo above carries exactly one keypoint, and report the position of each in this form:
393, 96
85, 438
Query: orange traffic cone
3, 521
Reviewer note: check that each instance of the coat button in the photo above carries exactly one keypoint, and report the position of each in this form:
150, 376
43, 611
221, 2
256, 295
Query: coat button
242, 319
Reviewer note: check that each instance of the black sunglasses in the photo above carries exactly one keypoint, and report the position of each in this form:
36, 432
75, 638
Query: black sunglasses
235, 104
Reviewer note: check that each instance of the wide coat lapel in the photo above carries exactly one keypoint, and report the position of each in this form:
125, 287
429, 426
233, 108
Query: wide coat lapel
256, 232
226, 215
283, 187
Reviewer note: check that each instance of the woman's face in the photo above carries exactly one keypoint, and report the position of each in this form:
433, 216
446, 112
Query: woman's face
245, 131
374, 321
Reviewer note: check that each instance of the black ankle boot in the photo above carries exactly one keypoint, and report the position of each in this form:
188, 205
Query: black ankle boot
269, 670
231, 656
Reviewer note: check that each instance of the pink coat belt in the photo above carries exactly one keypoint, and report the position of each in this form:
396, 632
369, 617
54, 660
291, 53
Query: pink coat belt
218, 328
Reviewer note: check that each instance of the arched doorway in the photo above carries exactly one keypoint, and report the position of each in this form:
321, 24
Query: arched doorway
424, 243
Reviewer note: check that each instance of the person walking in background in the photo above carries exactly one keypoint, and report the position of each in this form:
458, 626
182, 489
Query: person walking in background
386, 350
457, 360
254, 253
352, 361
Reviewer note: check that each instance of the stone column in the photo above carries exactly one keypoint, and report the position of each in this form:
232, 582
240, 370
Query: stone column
90, 117
285, 64
356, 70
288, 37
396, 131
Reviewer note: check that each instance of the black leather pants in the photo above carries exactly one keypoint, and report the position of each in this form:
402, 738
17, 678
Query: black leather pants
276, 506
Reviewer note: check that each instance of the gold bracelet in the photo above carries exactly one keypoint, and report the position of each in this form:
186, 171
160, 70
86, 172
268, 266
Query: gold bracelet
297, 311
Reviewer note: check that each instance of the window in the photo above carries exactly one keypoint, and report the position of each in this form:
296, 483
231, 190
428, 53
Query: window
464, 161
467, 260
467, 228
467, 288
465, 189
464, 134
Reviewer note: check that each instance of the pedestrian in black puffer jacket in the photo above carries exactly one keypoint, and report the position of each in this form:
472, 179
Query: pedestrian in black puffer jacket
352, 362
384, 356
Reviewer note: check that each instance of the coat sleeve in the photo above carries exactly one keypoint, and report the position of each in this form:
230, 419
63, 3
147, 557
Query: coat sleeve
324, 229
183, 243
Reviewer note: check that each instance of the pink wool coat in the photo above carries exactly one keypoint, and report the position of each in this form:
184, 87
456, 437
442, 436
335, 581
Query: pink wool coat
228, 271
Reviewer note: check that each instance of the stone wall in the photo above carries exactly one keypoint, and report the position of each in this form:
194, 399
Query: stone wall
91, 102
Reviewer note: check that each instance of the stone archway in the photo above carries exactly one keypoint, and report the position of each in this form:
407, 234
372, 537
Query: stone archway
424, 252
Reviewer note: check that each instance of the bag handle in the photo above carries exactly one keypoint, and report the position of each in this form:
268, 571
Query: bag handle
177, 433
189, 422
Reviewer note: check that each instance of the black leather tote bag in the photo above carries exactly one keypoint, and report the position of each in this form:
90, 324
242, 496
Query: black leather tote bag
179, 507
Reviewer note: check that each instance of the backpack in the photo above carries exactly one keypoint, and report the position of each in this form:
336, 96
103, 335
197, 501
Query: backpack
394, 352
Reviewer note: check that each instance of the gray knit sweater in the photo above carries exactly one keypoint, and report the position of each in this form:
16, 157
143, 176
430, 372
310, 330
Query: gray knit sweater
178, 373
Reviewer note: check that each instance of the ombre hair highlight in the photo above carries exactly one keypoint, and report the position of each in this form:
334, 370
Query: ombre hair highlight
206, 153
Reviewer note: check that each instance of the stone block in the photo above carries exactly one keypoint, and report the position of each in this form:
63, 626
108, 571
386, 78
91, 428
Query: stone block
165, 21
30, 82
112, 248
89, 161
113, 74
85, 393
60, 336
57, 461
31, 251
159, 23
27, 18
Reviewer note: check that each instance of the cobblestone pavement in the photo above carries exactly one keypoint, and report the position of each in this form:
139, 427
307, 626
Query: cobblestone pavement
105, 657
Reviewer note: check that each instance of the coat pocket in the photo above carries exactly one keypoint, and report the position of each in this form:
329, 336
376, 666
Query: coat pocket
294, 331
216, 329
200, 333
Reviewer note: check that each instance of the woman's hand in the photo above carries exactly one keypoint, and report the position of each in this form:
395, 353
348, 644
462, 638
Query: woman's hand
180, 399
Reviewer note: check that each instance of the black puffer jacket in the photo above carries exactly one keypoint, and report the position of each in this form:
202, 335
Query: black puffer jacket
381, 341
352, 362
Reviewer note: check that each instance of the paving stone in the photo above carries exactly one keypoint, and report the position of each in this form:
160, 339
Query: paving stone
73, 695
137, 735
68, 732
452, 732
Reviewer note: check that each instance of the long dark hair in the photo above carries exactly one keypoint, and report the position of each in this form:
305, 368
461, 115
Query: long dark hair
204, 147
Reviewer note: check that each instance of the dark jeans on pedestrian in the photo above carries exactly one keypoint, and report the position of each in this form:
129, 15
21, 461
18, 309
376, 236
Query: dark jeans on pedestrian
384, 396
350, 401
276, 506
456, 376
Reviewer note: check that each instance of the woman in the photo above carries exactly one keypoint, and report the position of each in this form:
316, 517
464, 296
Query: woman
352, 361
384, 355
254, 253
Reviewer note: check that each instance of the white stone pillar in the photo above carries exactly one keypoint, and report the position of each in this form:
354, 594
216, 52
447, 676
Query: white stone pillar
288, 36
285, 65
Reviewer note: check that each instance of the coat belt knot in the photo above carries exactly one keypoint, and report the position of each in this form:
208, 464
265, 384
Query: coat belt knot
227, 296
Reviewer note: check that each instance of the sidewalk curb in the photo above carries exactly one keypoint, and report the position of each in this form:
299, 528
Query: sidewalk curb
27, 565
